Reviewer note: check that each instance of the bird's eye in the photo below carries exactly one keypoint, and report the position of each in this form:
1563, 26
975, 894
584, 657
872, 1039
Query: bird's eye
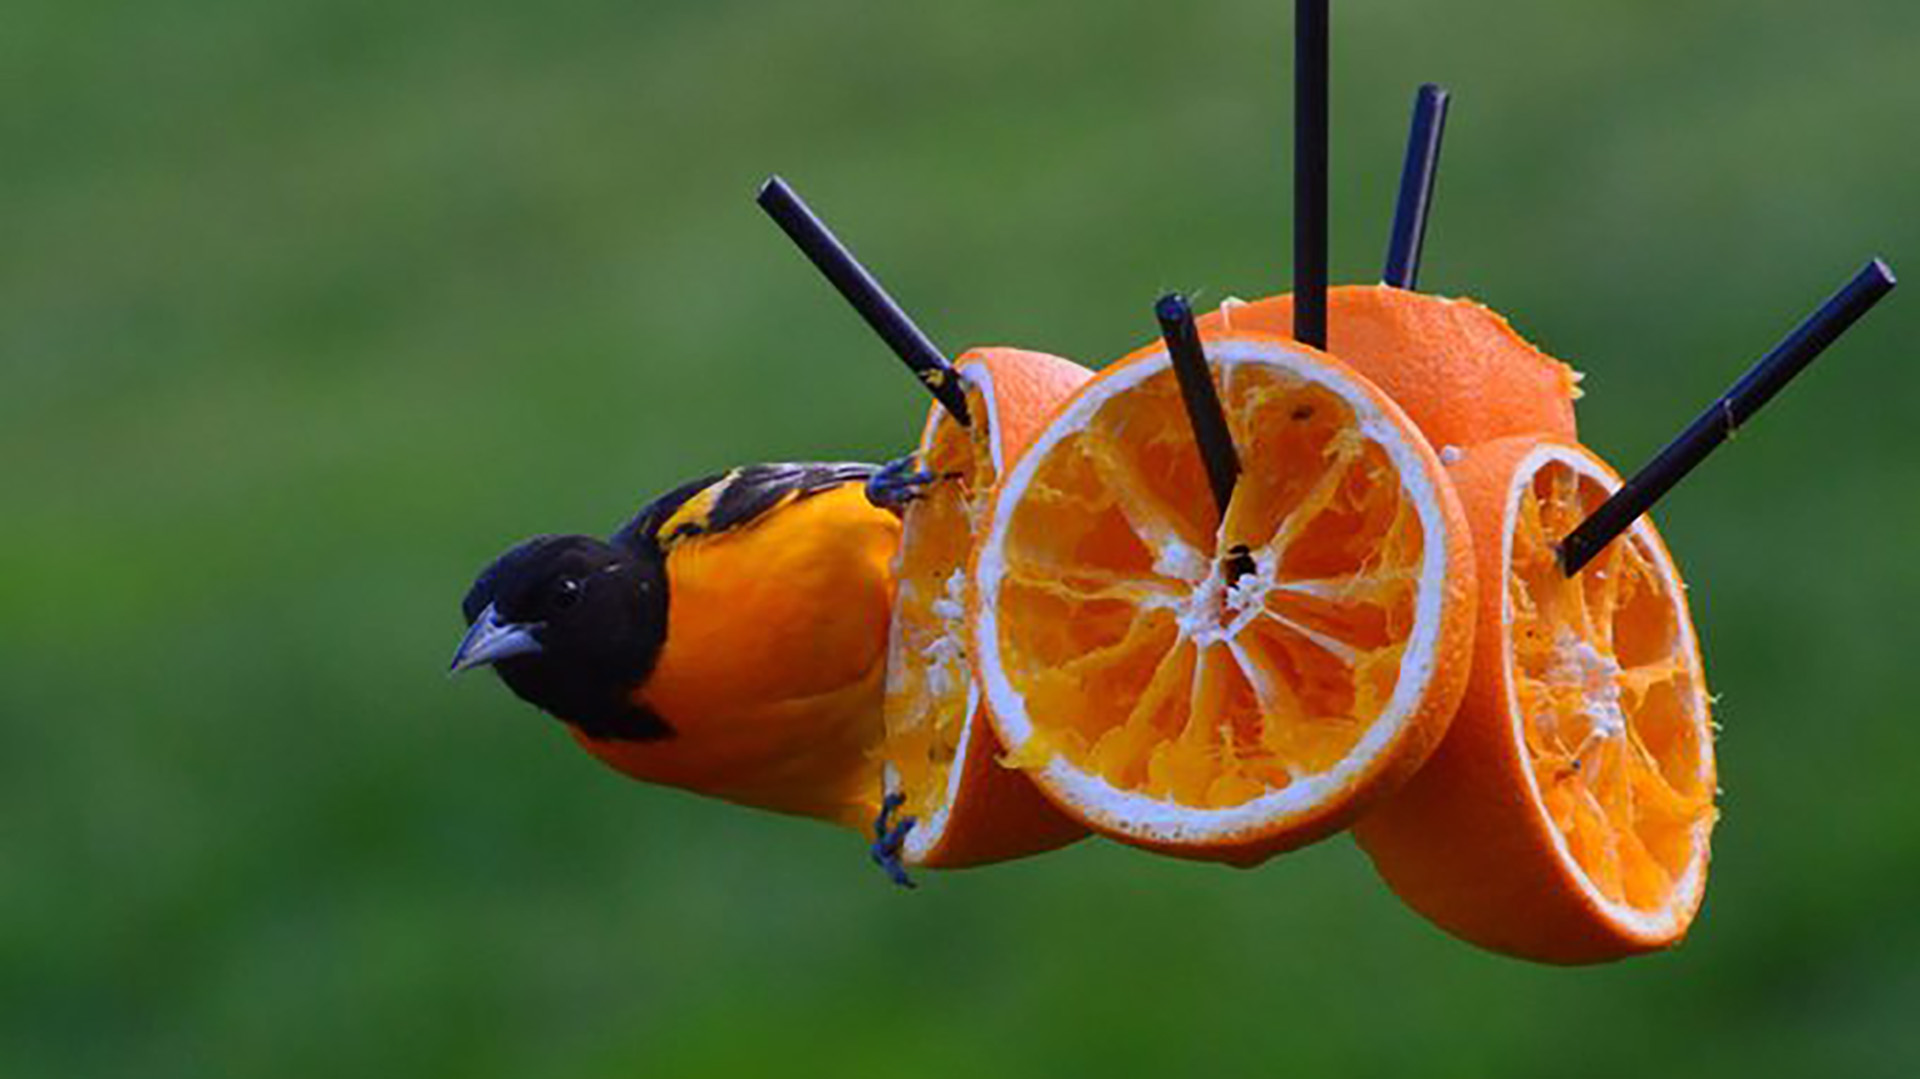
566, 593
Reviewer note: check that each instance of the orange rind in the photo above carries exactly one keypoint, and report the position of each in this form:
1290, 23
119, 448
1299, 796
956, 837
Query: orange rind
1567, 815
1456, 367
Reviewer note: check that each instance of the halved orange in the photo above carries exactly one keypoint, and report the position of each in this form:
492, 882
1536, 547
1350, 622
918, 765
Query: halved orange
940, 753
1456, 367
1224, 690
1566, 816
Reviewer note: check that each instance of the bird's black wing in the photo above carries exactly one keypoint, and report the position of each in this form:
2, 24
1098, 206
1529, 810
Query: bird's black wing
645, 526
714, 504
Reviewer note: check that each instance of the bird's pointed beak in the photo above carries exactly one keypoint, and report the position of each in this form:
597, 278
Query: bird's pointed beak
493, 639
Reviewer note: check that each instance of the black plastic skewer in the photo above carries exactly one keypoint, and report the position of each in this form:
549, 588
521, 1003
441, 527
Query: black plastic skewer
1736, 407
1416, 186
832, 258
1310, 172
1202, 399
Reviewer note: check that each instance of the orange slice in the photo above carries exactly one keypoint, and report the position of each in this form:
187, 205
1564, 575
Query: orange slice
1168, 699
939, 751
1567, 814
1456, 368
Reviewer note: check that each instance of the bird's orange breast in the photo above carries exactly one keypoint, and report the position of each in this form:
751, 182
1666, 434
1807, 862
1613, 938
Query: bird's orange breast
774, 663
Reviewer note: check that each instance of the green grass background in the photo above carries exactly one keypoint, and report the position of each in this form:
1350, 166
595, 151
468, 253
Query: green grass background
307, 309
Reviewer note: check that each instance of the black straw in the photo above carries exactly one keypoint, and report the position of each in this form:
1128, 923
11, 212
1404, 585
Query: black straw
1310, 172
1416, 186
1202, 398
1705, 434
866, 295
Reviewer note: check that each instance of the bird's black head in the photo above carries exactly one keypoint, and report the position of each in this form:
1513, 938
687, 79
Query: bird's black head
573, 625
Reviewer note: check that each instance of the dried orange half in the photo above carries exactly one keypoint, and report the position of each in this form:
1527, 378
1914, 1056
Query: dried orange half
940, 753
1567, 814
1456, 367
1224, 690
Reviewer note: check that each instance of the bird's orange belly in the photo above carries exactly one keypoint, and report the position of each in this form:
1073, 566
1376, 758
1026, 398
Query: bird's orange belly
774, 668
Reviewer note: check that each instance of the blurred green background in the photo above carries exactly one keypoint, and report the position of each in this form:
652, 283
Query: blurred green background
307, 309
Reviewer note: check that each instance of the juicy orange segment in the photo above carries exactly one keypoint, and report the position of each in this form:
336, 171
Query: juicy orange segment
1300, 637
1609, 696
1223, 689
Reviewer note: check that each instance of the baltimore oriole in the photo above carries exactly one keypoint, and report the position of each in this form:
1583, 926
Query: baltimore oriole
731, 639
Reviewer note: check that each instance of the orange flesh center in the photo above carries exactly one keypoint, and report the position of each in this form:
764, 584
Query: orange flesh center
1143, 655
928, 680
1610, 698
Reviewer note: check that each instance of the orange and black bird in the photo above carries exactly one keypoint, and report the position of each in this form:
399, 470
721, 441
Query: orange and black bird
730, 640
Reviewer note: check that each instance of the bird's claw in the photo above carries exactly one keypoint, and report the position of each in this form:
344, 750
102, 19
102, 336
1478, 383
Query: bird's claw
898, 483
888, 837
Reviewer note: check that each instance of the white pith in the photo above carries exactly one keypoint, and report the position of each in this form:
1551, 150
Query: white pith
946, 657
1577, 662
1199, 617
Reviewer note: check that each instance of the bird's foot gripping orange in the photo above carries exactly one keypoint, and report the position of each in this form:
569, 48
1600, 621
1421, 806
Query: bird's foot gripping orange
890, 829
900, 482
1224, 690
959, 805
1567, 815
